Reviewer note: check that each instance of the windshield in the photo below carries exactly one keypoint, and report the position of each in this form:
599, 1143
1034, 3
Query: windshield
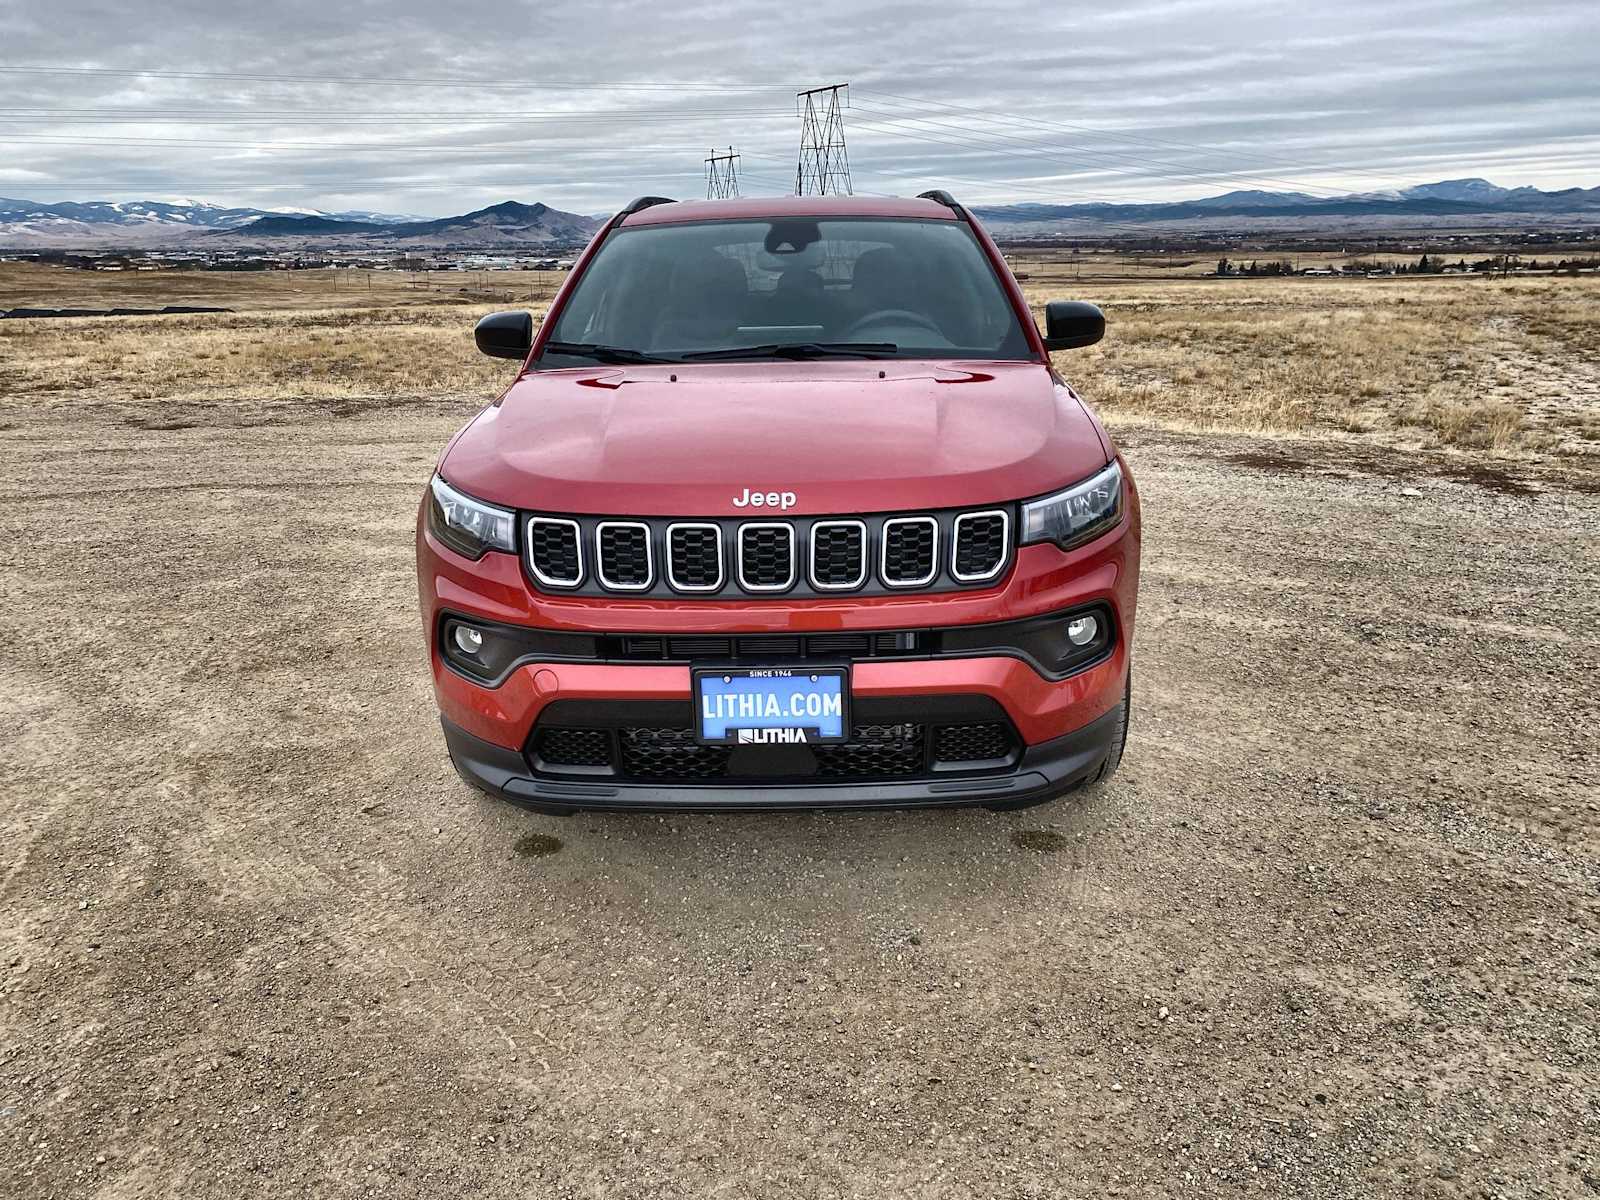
787, 288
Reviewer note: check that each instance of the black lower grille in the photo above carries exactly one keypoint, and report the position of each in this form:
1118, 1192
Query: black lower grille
627, 742
670, 754
573, 747
973, 743
873, 752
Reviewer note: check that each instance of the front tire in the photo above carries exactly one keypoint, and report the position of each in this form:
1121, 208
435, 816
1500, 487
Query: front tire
1119, 740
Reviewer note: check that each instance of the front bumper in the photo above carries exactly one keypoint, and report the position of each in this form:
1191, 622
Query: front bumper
1044, 772
1064, 728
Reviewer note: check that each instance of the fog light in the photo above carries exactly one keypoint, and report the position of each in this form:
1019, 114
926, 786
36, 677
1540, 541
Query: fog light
1081, 630
468, 639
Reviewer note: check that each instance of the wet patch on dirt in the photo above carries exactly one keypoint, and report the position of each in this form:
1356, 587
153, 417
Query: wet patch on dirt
536, 845
1041, 840
158, 425
1409, 469
1493, 479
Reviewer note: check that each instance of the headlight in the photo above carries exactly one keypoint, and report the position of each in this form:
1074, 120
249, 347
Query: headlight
469, 526
1077, 514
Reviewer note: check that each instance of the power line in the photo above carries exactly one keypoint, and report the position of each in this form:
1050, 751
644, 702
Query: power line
1031, 122
408, 81
824, 166
1169, 170
408, 147
259, 116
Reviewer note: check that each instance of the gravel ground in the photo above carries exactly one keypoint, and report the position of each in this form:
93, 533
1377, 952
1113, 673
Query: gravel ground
1331, 932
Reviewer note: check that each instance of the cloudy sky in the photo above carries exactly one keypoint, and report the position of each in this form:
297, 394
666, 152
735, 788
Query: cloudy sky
426, 107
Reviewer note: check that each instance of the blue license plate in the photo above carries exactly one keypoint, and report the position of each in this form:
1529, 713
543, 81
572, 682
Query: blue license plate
772, 706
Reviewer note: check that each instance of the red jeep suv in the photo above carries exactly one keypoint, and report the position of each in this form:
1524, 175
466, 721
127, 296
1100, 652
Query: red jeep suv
786, 508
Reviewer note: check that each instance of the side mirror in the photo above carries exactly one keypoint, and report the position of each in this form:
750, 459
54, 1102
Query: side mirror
1072, 324
505, 334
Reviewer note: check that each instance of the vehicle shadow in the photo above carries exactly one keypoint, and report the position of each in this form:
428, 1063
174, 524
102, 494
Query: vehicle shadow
777, 861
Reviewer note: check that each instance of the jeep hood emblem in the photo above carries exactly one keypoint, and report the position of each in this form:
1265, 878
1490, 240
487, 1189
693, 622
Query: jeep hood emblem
778, 500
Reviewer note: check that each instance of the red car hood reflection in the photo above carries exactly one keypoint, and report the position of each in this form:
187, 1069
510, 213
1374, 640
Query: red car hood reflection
843, 437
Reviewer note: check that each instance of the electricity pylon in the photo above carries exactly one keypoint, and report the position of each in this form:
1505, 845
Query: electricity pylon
722, 176
824, 166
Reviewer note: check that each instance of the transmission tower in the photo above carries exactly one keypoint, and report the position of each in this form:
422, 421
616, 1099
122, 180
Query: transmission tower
824, 167
722, 176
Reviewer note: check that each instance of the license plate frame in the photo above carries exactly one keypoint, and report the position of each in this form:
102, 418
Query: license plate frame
721, 730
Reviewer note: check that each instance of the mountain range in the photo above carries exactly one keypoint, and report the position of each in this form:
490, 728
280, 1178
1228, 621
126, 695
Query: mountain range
195, 224
1450, 203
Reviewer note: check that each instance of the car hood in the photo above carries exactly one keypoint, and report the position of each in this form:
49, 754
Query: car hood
852, 436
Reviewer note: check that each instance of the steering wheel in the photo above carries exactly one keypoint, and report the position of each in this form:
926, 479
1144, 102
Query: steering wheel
892, 316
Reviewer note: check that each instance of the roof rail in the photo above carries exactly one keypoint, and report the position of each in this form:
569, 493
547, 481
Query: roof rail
644, 202
940, 196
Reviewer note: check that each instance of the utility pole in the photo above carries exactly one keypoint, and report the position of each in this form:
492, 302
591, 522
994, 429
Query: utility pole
722, 176
824, 166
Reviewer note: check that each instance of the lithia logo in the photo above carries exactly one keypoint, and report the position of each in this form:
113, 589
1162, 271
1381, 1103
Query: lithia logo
769, 737
751, 499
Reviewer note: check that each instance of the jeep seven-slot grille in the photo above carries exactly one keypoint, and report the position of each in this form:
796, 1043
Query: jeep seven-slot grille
980, 545
624, 555
766, 557
801, 556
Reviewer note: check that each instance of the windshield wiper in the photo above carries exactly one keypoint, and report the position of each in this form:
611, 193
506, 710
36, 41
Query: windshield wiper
605, 354
799, 350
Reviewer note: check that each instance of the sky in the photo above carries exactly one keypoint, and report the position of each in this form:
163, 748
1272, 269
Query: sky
433, 108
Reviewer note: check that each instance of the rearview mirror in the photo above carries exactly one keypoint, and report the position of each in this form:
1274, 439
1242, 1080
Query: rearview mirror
1072, 324
505, 334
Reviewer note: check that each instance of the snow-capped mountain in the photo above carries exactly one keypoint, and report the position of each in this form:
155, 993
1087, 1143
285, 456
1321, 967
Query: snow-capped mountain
137, 222
1450, 202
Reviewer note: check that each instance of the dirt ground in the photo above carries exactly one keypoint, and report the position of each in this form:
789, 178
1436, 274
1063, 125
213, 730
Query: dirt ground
1333, 931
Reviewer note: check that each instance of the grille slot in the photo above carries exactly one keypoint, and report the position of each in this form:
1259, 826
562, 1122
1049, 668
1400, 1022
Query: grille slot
775, 646
573, 747
624, 555
555, 551
699, 647
972, 743
839, 645
838, 555
766, 556
979, 550
910, 552
694, 557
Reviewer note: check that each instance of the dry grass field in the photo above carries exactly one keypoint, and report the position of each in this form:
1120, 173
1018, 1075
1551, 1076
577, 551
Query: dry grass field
1331, 933
1507, 367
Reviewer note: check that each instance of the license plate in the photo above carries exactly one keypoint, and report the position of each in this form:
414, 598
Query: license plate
772, 706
